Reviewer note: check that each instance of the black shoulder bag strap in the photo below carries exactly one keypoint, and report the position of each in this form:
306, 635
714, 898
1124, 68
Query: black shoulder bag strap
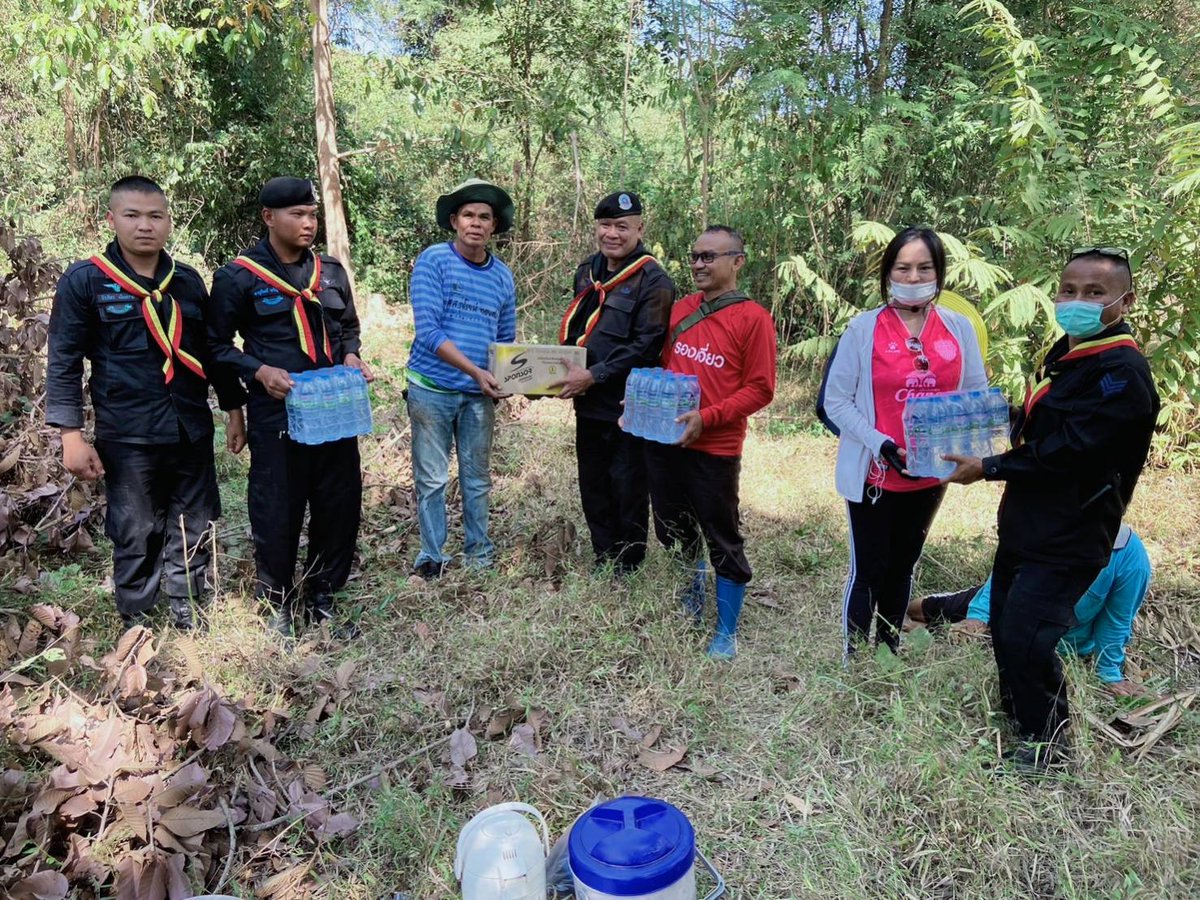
706, 309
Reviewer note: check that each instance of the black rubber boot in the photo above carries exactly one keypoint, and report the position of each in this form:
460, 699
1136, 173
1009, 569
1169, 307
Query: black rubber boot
321, 609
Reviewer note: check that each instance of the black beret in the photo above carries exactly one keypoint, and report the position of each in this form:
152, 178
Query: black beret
618, 205
285, 191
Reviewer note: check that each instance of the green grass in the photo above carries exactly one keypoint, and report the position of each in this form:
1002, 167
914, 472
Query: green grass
807, 779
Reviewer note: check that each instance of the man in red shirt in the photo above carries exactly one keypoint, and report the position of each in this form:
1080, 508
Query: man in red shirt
727, 341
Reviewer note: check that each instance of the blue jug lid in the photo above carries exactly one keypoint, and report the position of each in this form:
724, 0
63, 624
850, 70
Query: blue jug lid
631, 846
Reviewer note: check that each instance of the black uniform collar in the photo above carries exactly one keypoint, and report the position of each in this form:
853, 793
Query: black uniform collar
264, 254
161, 268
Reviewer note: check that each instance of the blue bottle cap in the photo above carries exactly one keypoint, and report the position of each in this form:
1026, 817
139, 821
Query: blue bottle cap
631, 846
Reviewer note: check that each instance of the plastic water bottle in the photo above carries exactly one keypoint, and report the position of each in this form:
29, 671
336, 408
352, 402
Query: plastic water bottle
977, 419
632, 410
327, 399
918, 435
364, 419
947, 417
691, 394
652, 429
998, 423
672, 408
958, 424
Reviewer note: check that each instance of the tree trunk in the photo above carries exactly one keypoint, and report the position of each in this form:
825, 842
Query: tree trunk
69, 136
329, 167
884, 57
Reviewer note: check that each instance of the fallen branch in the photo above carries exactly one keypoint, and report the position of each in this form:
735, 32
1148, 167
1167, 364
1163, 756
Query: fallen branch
387, 767
232, 844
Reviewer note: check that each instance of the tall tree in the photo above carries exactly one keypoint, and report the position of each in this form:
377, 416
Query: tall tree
329, 167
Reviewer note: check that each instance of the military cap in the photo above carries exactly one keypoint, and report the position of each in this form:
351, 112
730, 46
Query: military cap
619, 204
285, 191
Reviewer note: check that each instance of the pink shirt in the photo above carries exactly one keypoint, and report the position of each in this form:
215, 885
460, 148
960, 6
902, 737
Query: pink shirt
896, 377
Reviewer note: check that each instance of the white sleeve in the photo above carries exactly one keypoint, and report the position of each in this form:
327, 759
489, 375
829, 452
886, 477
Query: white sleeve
842, 388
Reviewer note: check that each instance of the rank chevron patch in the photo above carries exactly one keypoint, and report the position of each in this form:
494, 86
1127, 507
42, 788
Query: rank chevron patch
1110, 384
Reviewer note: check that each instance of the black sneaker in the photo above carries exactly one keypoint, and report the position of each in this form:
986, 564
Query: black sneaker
429, 570
182, 617
1034, 761
129, 620
281, 620
321, 609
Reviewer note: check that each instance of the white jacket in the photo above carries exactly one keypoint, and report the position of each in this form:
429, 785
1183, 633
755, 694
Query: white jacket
850, 394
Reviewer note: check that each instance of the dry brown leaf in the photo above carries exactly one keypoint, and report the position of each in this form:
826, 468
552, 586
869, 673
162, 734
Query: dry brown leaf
27, 646
523, 740
46, 614
341, 678
338, 825
78, 806
622, 725
314, 777
191, 658
186, 821
183, 784
463, 748
433, 698
424, 634
131, 790
651, 737
661, 760
133, 680
283, 885
501, 723
800, 804
45, 885
51, 799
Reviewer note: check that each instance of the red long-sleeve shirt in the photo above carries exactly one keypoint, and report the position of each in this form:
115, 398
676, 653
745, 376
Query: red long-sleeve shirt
732, 352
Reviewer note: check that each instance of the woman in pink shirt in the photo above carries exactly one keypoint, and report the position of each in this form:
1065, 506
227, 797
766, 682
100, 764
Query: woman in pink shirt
906, 348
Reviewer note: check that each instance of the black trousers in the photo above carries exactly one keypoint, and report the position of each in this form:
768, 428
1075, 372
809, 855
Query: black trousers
945, 609
285, 478
162, 498
613, 491
696, 493
886, 538
1033, 606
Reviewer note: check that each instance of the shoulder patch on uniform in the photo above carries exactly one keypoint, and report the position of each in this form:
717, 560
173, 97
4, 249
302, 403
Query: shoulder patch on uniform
1111, 385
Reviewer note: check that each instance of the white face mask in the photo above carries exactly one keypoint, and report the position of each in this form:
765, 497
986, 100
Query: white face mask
913, 296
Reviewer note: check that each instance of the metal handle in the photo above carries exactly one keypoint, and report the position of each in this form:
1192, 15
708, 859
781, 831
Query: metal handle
719, 890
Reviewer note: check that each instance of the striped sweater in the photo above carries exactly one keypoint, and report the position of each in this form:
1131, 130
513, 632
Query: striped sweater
456, 300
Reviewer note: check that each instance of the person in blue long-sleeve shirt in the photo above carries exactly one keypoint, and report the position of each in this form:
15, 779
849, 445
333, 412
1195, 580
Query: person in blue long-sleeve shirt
463, 299
1104, 615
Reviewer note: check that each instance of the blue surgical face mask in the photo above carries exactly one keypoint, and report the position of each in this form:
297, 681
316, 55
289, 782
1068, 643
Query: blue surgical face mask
1081, 319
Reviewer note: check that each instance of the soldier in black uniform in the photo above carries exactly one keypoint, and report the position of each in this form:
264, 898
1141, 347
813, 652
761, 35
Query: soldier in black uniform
1079, 446
619, 313
139, 317
294, 311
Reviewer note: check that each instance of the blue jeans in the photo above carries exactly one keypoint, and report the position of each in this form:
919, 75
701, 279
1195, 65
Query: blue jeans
438, 420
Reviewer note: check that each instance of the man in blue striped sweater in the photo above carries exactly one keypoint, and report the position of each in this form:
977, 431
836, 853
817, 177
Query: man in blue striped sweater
463, 299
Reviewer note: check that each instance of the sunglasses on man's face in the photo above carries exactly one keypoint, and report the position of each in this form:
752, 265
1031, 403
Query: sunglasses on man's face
708, 256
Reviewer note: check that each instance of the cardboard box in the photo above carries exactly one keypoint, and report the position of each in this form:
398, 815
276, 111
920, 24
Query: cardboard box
530, 369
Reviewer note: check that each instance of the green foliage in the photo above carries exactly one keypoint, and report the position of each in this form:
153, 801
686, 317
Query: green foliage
1018, 130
